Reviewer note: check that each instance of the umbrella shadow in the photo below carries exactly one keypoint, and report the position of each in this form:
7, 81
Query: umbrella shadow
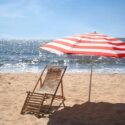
90, 113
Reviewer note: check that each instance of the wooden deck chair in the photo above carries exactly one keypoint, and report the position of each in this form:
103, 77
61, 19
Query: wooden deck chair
45, 95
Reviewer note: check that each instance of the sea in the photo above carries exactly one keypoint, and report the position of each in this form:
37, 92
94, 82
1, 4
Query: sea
19, 56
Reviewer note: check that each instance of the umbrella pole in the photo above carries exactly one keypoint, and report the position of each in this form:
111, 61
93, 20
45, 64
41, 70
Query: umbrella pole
90, 82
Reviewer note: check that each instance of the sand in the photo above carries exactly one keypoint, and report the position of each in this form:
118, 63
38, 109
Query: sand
107, 104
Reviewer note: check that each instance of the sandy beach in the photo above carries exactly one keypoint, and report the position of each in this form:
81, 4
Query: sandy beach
107, 104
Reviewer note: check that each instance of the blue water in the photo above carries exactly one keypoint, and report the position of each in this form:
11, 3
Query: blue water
25, 56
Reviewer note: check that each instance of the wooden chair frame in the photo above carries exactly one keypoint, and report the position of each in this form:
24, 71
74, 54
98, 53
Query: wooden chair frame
43, 96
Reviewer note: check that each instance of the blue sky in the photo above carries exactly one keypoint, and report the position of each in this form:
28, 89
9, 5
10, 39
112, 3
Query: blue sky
59, 18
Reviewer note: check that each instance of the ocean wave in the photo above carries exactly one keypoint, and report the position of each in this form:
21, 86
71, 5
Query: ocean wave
25, 56
20, 67
24, 67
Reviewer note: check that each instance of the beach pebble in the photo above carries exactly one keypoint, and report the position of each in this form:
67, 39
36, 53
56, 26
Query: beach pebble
9, 82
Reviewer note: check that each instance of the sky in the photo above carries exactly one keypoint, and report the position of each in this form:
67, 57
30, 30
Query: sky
60, 18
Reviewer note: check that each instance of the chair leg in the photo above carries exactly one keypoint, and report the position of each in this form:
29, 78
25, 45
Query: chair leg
22, 111
63, 103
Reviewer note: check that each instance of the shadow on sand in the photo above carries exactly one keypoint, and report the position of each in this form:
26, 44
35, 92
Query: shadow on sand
90, 113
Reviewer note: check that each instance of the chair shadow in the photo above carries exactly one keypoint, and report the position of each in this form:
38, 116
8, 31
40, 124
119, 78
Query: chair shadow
90, 113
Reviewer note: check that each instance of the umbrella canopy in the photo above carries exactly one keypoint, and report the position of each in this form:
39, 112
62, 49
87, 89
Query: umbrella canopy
92, 44
88, 44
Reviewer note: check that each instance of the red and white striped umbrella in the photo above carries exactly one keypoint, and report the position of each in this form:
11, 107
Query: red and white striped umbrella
88, 44
92, 44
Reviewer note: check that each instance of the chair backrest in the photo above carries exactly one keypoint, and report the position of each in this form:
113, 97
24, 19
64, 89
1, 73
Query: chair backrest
52, 79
